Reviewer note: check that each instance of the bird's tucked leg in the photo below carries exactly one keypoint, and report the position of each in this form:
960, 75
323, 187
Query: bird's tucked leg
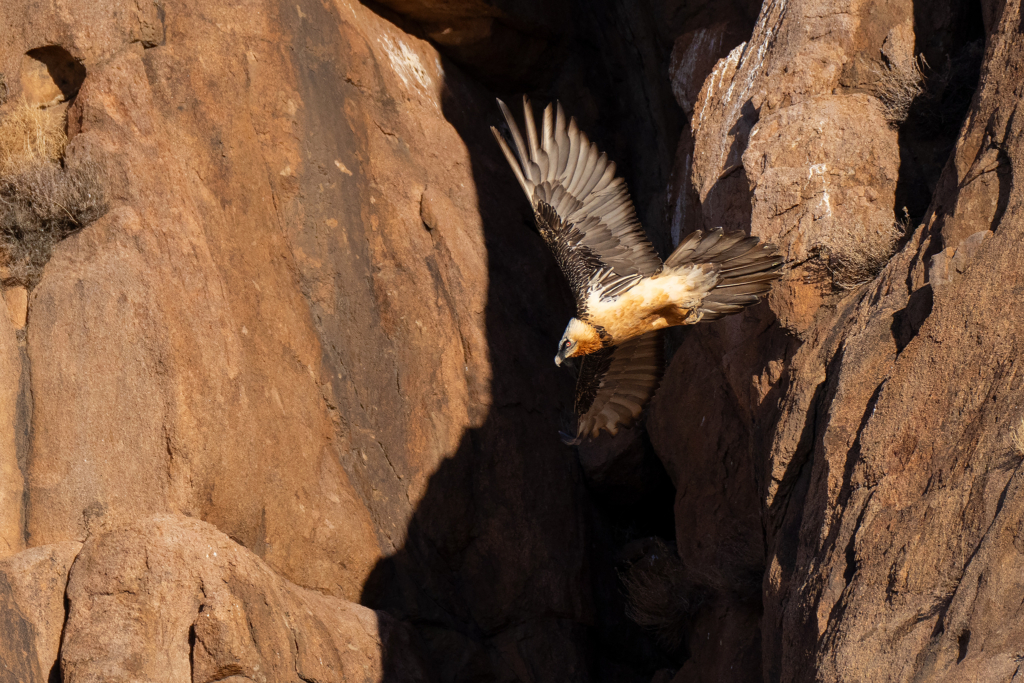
673, 315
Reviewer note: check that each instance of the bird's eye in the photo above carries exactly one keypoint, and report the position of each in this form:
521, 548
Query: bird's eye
567, 344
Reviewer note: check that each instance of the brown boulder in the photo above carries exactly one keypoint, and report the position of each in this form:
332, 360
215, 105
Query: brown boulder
695, 54
32, 587
916, 540
822, 177
786, 62
168, 598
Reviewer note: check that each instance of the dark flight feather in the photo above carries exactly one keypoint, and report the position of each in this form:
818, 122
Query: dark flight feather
616, 383
562, 169
577, 261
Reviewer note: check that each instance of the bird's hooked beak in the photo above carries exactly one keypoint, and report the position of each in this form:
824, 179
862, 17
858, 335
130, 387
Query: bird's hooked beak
564, 347
568, 361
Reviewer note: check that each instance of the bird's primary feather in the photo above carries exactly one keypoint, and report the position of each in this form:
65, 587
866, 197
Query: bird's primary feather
562, 169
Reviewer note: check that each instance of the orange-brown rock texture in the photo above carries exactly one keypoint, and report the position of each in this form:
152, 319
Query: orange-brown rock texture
285, 410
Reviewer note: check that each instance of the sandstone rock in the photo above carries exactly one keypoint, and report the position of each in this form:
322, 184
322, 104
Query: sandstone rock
728, 646
50, 75
916, 492
32, 585
694, 55
12, 481
784, 63
823, 176
786, 90
311, 317
601, 459
168, 598
142, 436
860, 430
702, 447
16, 299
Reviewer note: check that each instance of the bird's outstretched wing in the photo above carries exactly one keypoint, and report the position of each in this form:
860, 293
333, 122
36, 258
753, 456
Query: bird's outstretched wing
746, 268
616, 383
583, 210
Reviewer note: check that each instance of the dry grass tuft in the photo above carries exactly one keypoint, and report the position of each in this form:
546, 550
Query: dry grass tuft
40, 206
660, 596
851, 265
29, 135
1017, 437
41, 202
898, 85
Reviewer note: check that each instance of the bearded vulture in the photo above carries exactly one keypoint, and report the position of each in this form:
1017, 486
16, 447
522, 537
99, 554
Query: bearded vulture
624, 294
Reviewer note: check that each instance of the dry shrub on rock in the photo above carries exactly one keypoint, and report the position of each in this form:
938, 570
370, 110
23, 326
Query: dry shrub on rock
850, 263
1017, 436
29, 135
660, 595
899, 84
41, 201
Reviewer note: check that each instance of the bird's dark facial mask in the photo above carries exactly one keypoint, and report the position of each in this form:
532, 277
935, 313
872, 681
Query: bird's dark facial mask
565, 347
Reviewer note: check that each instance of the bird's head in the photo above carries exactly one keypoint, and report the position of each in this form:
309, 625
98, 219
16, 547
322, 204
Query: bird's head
580, 338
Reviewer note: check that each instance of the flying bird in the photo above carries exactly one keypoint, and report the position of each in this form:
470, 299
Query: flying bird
624, 294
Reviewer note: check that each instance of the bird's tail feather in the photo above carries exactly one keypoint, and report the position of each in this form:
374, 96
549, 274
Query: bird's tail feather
746, 268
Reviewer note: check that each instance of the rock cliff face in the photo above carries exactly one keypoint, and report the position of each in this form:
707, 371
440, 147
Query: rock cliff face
283, 407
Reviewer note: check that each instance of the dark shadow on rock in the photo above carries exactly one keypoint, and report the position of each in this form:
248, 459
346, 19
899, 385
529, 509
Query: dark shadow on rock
65, 72
1004, 176
508, 569
18, 658
950, 37
908, 321
728, 202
